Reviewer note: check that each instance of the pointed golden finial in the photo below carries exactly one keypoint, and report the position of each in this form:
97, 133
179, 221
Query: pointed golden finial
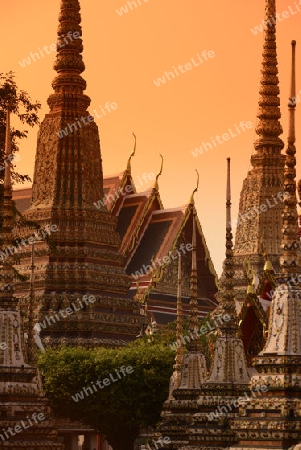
156, 186
69, 61
289, 260
180, 349
228, 197
268, 128
193, 345
191, 201
227, 281
128, 166
226, 293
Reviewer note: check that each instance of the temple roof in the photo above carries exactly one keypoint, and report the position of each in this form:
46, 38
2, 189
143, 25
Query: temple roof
158, 238
149, 233
147, 230
112, 183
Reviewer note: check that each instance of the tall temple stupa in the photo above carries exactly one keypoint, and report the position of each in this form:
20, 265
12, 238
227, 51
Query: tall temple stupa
82, 271
106, 237
260, 207
273, 421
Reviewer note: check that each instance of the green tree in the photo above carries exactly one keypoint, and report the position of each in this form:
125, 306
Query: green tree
121, 409
25, 109
118, 410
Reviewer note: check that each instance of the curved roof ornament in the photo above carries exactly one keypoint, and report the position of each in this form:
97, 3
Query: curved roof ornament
128, 166
156, 186
191, 201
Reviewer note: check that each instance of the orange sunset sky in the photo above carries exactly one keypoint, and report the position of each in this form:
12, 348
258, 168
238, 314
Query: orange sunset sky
124, 54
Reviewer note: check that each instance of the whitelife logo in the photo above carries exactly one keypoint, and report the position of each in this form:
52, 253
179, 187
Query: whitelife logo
75, 126
48, 229
127, 189
168, 76
68, 312
225, 409
279, 16
33, 57
263, 207
243, 126
23, 426
172, 255
124, 9
101, 384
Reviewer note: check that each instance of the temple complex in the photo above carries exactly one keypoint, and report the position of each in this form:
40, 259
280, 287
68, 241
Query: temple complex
112, 255
107, 259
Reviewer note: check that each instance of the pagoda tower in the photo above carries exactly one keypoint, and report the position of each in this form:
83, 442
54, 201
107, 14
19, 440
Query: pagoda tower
25, 420
83, 258
190, 366
229, 377
274, 420
260, 205
209, 425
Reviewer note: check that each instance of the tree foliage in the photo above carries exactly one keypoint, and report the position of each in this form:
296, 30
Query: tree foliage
25, 109
121, 409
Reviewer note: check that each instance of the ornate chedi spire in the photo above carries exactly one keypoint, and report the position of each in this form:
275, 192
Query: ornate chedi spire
268, 127
179, 351
84, 262
194, 371
24, 412
281, 338
290, 245
286, 339
279, 364
190, 368
66, 178
229, 363
261, 197
229, 378
176, 376
193, 344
